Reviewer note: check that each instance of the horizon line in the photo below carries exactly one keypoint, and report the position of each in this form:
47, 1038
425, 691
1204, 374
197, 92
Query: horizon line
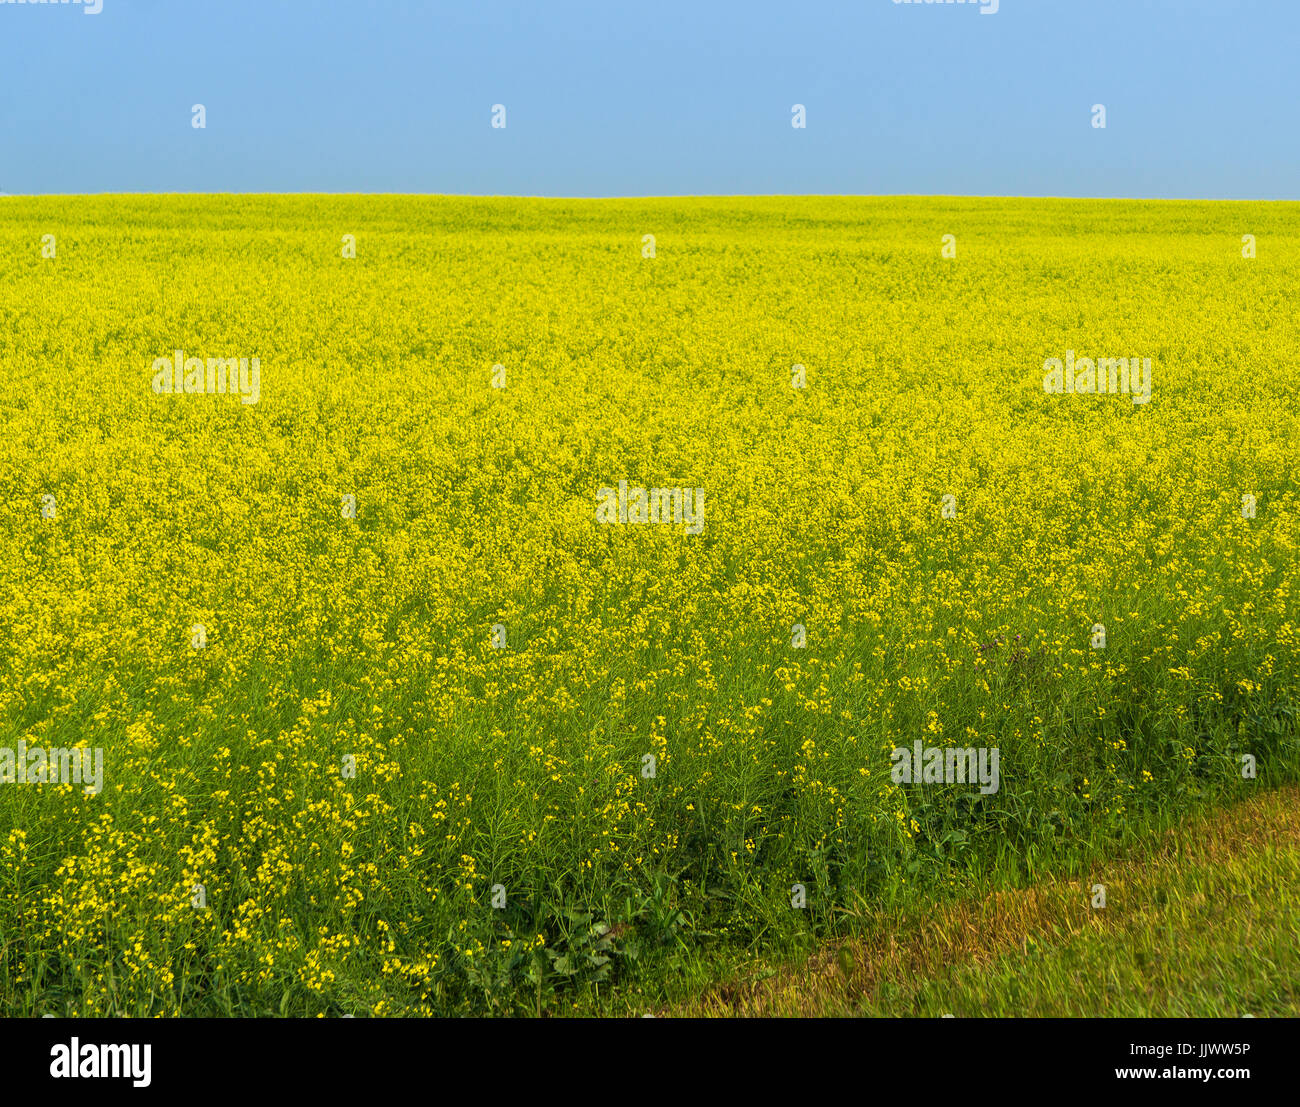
675, 196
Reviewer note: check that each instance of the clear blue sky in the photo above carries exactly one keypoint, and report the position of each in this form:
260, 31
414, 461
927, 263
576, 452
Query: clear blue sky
606, 98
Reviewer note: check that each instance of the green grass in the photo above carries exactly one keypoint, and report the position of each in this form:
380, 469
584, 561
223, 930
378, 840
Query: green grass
1203, 922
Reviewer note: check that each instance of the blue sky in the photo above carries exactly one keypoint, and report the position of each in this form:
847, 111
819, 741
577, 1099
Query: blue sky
656, 98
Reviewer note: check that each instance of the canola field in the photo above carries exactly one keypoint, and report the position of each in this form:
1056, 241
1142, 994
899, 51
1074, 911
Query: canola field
398, 697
